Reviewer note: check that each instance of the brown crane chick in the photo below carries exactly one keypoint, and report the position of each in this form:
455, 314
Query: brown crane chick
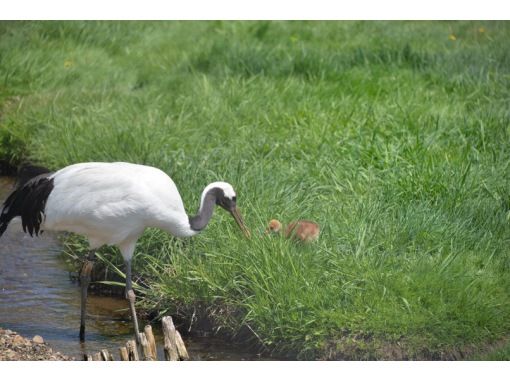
303, 230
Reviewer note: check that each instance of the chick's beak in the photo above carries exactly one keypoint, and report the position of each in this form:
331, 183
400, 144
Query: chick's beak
240, 222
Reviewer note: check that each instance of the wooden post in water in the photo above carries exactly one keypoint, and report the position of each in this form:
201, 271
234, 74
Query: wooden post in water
106, 356
132, 351
151, 341
146, 349
181, 348
174, 345
124, 356
171, 353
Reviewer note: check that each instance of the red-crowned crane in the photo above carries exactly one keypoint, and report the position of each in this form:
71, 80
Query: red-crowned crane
111, 204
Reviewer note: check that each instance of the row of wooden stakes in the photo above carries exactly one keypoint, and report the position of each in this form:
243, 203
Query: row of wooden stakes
146, 350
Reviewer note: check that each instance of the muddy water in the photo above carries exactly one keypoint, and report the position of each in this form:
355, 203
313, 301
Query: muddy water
38, 297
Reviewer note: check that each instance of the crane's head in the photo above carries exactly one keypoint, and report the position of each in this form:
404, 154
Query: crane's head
274, 226
226, 199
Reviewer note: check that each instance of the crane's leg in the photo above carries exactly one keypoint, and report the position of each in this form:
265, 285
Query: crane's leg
85, 281
130, 295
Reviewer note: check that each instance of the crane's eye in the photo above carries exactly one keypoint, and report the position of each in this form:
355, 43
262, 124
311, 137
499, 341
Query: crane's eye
224, 202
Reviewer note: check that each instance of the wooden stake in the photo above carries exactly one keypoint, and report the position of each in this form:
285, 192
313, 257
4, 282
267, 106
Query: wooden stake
107, 357
181, 348
124, 356
152, 342
146, 350
171, 352
132, 350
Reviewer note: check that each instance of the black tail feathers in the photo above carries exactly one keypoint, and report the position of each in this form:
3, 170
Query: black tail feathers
28, 200
28, 171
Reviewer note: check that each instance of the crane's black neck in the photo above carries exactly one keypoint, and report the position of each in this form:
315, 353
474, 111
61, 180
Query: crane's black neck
205, 212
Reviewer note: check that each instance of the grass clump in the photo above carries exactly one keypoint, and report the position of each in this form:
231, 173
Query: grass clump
392, 135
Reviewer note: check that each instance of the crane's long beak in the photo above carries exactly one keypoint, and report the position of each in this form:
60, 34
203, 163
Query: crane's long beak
239, 219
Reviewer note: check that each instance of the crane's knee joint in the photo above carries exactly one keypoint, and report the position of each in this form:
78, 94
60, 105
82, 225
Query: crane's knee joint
86, 270
130, 295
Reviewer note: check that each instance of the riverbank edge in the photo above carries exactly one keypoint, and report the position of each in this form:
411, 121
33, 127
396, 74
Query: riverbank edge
15, 347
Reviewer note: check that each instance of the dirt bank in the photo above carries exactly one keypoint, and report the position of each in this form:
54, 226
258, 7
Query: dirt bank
16, 347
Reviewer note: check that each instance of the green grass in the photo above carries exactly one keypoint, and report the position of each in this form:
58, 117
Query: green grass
501, 353
394, 136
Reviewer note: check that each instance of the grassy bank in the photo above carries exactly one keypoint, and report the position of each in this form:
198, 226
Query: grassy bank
393, 136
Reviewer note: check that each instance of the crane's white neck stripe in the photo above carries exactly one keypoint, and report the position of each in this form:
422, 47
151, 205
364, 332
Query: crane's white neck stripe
228, 191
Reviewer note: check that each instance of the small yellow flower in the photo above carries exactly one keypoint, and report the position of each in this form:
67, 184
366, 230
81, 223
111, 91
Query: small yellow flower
452, 37
481, 29
68, 63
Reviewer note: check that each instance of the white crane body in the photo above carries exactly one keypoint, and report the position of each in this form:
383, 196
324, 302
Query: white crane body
113, 203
